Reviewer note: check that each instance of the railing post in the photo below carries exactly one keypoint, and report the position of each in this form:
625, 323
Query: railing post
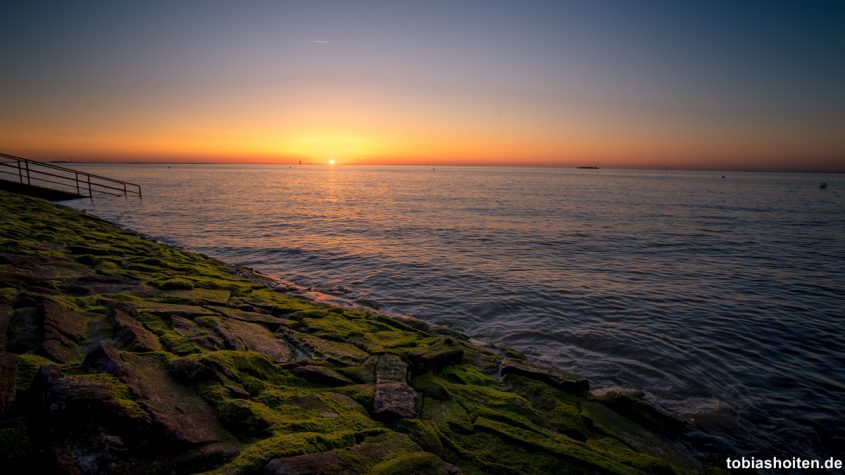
124, 189
28, 181
76, 174
90, 193
20, 172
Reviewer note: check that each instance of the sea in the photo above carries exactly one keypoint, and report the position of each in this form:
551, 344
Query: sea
720, 295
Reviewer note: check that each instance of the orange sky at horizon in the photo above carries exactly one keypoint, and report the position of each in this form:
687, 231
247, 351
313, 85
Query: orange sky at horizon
320, 122
361, 147
709, 86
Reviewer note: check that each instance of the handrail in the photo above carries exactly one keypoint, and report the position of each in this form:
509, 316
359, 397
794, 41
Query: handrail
26, 171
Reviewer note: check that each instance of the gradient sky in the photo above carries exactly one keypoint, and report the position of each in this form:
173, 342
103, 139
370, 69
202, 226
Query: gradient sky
716, 84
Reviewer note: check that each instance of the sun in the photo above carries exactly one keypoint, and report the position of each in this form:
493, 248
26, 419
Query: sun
329, 148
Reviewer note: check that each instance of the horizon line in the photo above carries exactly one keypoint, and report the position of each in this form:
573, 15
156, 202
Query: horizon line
571, 167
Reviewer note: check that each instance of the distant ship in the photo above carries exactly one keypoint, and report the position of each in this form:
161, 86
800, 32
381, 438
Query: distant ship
588, 168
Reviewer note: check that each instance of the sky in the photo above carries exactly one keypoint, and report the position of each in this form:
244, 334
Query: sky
713, 85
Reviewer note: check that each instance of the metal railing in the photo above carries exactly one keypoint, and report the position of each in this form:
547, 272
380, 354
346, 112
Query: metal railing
85, 185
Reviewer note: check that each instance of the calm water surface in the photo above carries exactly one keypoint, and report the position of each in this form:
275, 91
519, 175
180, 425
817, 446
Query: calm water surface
723, 299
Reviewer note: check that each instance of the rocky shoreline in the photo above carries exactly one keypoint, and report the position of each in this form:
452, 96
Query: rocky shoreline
122, 355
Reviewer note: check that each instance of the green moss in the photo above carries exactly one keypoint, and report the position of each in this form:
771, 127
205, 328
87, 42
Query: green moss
234, 285
415, 462
7, 294
296, 410
172, 340
89, 260
339, 351
511, 353
248, 363
432, 386
174, 284
200, 296
424, 433
363, 394
371, 334
247, 420
254, 456
448, 416
465, 374
178, 344
119, 393
277, 302
109, 267
28, 365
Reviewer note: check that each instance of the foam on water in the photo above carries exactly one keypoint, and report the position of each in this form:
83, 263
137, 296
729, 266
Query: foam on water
721, 298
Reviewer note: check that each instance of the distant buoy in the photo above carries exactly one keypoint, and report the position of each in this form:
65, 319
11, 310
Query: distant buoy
723, 176
823, 185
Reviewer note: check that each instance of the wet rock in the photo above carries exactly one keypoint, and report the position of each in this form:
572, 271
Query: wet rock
249, 316
130, 334
199, 295
191, 370
25, 331
629, 403
93, 425
560, 379
48, 328
8, 377
417, 463
612, 392
308, 464
240, 419
247, 336
103, 358
29, 269
172, 309
394, 400
195, 334
364, 373
201, 459
63, 320
385, 453
321, 375
93, 397
104, 284
315, 347
5, 320
93, 250
183, 416
434, 360
64, 329
393, 396
391, 369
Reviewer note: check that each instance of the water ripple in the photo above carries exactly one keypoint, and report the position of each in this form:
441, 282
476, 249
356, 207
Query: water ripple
721, 298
